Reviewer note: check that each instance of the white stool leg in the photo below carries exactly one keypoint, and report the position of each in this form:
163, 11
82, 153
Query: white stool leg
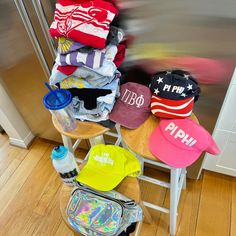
174, 180
96, 140
184, 173
67, 143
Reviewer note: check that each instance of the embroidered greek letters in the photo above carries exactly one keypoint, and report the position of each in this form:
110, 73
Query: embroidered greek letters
140, 101
132, 98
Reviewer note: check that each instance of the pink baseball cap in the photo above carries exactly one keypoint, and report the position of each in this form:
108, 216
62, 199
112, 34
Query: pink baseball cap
133, 106
180, 142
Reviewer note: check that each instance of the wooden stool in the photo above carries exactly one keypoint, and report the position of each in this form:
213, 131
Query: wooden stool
85, 130
128, 187
137, 142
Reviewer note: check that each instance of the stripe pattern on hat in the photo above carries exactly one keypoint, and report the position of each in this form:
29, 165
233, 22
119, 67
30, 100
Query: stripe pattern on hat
166, 108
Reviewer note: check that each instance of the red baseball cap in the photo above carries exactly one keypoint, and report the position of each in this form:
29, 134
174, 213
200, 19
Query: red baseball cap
168, 108
133, 106
180, 142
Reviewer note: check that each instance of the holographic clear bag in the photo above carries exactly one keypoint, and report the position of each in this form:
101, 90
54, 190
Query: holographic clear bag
94, 213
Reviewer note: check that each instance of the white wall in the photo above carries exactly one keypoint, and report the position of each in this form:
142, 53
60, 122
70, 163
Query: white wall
12, 122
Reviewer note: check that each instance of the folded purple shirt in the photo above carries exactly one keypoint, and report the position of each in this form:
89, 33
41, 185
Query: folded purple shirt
69, 54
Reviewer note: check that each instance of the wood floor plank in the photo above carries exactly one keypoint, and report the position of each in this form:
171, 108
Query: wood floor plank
233, 209
29, 191
8, 153
14, 184
3, 139
188, 208
52, 219
155, 195
187, 211
163, 223
25, 199
48, 193
215, 205
47, 224
9, 172
63, 230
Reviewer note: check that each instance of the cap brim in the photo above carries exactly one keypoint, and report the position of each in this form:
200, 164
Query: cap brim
163, 150
98, 180
126, 117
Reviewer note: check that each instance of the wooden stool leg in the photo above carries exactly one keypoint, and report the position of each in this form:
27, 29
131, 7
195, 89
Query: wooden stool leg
174, 180
67, 142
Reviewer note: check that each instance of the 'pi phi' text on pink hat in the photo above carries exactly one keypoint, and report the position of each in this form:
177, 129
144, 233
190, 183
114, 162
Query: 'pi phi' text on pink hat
180, 142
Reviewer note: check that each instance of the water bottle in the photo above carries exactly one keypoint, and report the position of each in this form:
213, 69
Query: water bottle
65, 164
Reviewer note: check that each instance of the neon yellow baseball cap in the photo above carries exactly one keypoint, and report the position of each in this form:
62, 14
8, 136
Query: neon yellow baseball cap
107, 166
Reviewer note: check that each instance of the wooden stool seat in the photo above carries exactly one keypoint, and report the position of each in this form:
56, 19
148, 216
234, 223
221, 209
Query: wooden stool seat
137, 139
91, 131
84, 130
128, 187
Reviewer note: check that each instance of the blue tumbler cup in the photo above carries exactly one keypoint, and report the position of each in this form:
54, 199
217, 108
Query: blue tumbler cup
59, 103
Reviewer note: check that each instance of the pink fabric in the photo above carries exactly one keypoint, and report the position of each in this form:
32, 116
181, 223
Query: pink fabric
180, 142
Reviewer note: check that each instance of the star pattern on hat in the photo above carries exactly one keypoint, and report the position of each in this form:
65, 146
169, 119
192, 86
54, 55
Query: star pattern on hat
190, 87
186, 76
160, 80
156, 91
183, 95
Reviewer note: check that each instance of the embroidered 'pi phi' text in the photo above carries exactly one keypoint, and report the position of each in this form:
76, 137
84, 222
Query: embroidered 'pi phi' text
132, 98
170, 88
180, 134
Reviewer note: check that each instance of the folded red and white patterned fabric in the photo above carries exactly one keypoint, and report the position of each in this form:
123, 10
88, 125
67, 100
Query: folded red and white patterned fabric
84, 21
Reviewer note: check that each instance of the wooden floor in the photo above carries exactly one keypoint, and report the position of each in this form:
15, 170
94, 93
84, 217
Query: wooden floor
29, 188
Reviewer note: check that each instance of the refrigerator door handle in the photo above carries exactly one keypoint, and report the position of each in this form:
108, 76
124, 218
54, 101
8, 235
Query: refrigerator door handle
44, 25
33, 38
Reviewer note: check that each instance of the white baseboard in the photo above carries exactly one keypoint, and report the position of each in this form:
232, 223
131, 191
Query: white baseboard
22, 143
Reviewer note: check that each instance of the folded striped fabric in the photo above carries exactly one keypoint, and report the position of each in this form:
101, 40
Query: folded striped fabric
84, 21
92, 60
69, 54
168, 108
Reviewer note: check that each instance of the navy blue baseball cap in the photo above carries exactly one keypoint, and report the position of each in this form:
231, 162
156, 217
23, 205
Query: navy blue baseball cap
175, 85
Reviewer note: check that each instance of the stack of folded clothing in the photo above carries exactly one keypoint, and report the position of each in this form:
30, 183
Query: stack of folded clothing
90, 49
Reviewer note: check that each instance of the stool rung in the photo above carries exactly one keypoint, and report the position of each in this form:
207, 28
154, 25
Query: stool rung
111, 134
118, 141
79, 160
76, 144
155, 207
155, 163
154, 181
